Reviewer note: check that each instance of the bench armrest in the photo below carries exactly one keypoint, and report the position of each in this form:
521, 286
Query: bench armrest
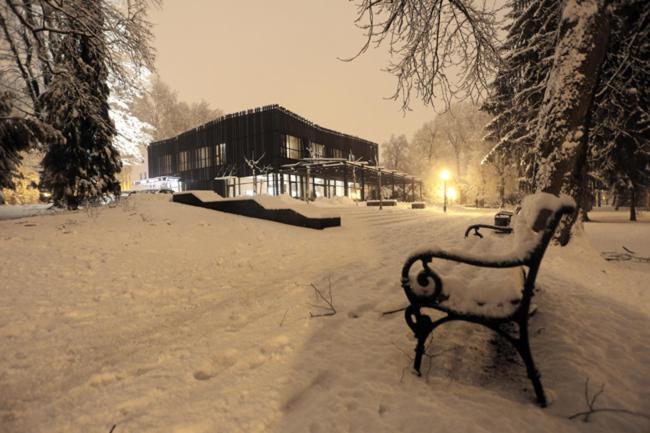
428, 275
476, 227
503, 261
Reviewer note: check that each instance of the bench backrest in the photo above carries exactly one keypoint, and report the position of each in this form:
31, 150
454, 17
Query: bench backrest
535, 226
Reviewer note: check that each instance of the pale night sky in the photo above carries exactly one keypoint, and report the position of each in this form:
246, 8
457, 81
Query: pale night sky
238, 55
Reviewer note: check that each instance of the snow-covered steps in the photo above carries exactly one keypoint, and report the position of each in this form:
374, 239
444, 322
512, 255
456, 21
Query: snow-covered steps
282, 209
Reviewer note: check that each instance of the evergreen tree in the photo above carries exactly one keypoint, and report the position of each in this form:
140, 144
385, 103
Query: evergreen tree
16, 135
518, 89
56, 57
619, 141
84, 167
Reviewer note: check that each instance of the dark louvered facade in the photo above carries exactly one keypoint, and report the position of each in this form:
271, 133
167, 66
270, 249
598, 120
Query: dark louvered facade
218, 156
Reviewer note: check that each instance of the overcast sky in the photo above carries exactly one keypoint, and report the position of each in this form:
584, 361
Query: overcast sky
244, 54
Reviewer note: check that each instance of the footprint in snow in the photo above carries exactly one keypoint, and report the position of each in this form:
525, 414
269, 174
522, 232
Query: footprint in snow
202, 375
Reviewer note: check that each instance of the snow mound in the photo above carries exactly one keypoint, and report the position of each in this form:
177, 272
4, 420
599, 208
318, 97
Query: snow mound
283, 201
334, 202
204, 196
286, 202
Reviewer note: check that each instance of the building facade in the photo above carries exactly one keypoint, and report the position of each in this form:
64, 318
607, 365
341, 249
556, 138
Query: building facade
270, 150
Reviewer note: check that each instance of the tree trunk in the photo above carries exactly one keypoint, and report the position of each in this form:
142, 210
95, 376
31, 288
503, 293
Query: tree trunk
633, 204
501, 186
564, 117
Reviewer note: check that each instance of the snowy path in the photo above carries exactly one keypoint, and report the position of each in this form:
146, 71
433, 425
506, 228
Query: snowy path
160, 317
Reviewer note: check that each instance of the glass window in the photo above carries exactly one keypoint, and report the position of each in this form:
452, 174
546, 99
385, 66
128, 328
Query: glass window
292, 148
203, 157
183, 161
220, 154
337, 153
316, 150
165, 164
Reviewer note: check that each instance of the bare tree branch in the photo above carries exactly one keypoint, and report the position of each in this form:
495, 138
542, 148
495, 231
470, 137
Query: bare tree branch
439, 49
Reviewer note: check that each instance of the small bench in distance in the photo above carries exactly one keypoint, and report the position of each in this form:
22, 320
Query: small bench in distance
389, 202
418, 205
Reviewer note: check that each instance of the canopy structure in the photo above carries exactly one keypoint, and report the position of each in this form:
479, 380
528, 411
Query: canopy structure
357, 179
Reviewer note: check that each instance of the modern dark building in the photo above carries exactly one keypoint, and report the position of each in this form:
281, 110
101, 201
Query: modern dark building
271, 150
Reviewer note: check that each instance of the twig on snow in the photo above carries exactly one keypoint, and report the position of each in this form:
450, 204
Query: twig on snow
591, 401
330, 310
386, 313
628, 250
284, 317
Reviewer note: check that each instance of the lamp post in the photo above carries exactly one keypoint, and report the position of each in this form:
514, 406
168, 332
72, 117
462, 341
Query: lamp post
445, 177
381, 201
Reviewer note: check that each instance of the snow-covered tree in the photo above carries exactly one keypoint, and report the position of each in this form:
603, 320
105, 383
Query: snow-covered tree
452, 141
59, 51
394, 153
517, 91
426, 150
84, 167
132, 134
619, 140
569, 102
159, 106
18, 134
563, 119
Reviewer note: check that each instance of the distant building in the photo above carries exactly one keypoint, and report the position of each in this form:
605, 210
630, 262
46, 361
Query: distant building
270, 150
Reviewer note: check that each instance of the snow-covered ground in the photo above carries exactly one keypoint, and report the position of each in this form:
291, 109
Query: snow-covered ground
612, 233
158, 317
8, 212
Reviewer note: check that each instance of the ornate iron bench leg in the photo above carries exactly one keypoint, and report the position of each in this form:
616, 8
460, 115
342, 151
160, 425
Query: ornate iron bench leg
420, 324
419, 352
422, 327
523, 347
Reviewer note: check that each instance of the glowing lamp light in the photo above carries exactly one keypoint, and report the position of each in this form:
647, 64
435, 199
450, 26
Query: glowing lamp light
451, 193
444, 175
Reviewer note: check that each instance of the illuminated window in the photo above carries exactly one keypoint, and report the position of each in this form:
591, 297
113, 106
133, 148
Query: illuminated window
292, 148
220, 154
203, 157
316, 150
183, 161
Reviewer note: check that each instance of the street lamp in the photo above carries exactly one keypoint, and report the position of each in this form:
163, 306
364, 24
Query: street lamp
381, 201
444, 174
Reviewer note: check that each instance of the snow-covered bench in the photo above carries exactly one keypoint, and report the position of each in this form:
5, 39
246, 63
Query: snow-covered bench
490, 288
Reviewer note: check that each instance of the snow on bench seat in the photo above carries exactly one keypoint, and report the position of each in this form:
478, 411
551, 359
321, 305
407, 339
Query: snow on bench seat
475, 290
